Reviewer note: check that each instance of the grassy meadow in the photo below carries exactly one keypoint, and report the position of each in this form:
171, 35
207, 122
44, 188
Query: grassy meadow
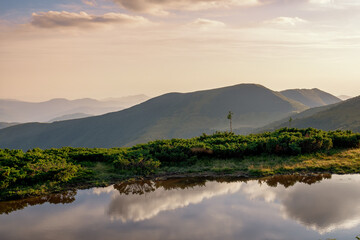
285, 151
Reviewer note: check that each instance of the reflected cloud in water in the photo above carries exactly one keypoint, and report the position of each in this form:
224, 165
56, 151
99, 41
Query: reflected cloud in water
148, 199
322, 205
283, 207
325, 207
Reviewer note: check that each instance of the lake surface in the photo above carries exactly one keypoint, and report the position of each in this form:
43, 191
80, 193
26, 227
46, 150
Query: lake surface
285, 207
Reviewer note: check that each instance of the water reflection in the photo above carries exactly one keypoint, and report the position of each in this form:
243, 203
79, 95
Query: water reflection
64, 198
138, 201
323, 207
129, 204
281, 207
291, 180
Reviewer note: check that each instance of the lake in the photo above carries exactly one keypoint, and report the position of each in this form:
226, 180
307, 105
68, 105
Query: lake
281, 207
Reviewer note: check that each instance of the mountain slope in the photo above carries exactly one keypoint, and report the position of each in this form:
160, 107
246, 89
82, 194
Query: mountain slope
285, 121
70, 116
19, 111
344, 116
167, 116
5, 124
311, 97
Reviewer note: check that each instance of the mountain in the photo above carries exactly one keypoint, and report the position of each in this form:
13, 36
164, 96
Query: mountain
20, 111
70, 116
311, 97
285, 121
179, 115
344, 116
344, 97
6, 124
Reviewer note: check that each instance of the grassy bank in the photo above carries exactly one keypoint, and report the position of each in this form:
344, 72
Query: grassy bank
335, 161
286, 151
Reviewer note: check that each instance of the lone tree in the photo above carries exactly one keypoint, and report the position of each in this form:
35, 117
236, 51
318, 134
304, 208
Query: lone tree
229, 116
290, 121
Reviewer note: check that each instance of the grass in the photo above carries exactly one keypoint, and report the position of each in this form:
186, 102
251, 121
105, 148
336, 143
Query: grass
334, 161
97, 174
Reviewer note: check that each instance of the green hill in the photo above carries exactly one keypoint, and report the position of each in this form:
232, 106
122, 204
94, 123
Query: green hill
311, 97
284, 122
180, 115
343, 116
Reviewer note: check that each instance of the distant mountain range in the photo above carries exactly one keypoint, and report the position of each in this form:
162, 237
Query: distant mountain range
311, 97
20, 111
175, 115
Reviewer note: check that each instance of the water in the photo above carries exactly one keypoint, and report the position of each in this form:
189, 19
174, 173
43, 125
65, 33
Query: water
284, 207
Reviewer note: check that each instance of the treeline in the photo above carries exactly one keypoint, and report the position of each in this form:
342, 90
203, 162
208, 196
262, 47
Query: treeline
53, 167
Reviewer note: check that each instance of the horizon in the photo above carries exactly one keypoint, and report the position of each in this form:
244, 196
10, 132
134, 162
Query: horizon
109, 98
110, 48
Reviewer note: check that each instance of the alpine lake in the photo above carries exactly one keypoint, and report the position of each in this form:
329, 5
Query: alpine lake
280, 207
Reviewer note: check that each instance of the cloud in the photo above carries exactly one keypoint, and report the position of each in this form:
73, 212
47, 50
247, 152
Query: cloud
90, 2
286, 21
54, 19
162, 7
321, 1
337, 4
205, 24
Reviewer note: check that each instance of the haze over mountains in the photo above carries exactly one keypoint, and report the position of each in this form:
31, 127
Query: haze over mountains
340, 116
344, 97
60, 109
311, 97
172, 115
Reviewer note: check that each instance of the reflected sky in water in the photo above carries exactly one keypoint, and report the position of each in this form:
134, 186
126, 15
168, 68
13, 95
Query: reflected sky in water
284, 207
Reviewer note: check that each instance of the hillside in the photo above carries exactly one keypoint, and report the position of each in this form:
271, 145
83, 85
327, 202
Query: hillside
344, 116
285, 121
20, 111
180, 115
311, 97
70, 116
6, 124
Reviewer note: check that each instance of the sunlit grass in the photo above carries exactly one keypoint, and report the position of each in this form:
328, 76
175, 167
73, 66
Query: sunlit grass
345, 161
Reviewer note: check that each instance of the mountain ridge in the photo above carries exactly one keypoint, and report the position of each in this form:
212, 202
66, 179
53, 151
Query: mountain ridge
21, 111
311, 97
180, 115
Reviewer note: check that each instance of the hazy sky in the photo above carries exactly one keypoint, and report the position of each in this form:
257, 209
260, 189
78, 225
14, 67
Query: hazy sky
112, 48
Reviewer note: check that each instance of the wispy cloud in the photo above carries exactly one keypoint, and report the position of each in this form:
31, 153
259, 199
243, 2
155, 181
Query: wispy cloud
92, 3
286, 21
54, 19
339, 4
206, 24
162, 7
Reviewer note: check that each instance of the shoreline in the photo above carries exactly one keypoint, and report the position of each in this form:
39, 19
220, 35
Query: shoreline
163, 176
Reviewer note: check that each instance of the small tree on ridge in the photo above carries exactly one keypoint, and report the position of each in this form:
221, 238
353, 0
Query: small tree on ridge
229, 116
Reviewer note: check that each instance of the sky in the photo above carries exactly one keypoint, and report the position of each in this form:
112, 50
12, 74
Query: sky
111, 48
